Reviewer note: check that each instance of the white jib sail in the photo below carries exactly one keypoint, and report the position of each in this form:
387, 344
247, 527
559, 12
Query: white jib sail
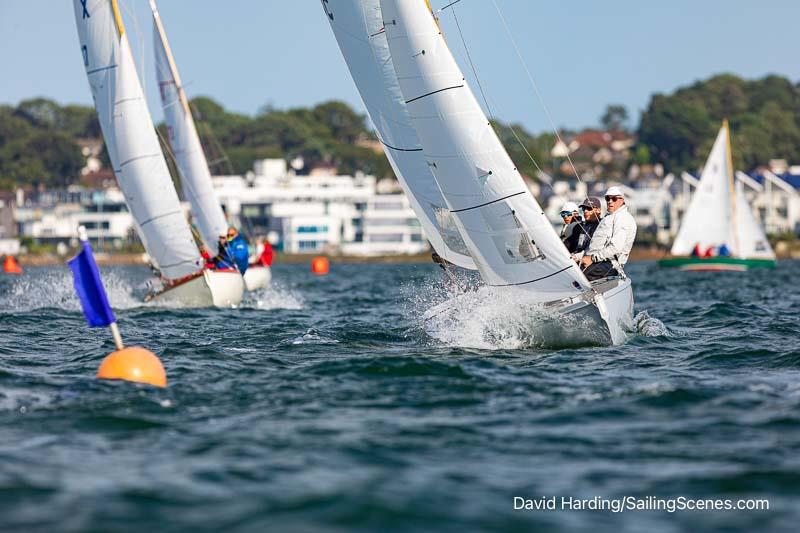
753, 241
709, 219
189, 156
358, 28
131, 139
507, 234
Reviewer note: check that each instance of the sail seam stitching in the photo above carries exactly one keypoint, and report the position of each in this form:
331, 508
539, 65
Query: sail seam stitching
146, 156
487, 203
149, 220
434, 92
535, 280
401, 149
93, 71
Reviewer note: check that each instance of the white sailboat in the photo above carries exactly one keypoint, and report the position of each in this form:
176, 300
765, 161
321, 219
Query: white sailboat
189, 156
719, 215
505, 234
139, 164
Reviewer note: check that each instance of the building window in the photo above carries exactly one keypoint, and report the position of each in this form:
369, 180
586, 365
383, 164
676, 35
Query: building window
386, 237
312, 229
308, 245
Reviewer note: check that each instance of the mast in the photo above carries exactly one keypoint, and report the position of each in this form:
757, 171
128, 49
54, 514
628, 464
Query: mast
131, 140
732, 188
510, 239
359, 30
186, 147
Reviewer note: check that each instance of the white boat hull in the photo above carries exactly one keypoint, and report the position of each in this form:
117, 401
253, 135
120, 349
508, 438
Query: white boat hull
257, 277
601, 316
607, 311
214, 288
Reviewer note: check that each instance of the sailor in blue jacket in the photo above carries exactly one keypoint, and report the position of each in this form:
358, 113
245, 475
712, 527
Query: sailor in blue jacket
238, 249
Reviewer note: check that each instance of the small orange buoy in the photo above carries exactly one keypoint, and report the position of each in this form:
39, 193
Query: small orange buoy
133, 364
10, 266
320, 265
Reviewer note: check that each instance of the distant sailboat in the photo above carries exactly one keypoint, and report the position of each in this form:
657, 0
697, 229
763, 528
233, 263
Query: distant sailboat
189, 157
720, 216
425, 111
139, 164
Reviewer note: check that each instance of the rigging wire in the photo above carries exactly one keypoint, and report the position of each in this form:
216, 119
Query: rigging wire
533, 82
535, 87
483, 93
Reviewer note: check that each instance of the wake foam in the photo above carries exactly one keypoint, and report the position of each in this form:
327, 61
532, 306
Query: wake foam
501, 318
54, 289
274, 297
648, 326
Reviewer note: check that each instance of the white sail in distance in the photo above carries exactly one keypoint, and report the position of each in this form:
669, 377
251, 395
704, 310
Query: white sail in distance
189, 157
131, 139
358, 28
753, 243
709, 220
506, 232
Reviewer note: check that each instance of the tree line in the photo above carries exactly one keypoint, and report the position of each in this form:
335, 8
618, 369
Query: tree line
38, 136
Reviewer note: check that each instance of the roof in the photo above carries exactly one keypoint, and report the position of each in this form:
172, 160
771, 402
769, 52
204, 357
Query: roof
597, 138
791, 179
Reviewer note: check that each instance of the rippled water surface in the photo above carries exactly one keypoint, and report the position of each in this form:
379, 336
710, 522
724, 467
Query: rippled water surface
328, 404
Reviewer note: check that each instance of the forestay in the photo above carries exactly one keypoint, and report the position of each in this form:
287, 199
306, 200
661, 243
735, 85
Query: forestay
186, 147
358, 27
505, 230
131, 139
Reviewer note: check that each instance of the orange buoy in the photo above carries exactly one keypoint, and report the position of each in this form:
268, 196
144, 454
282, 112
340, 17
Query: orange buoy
320, 265
10, 266
133, 364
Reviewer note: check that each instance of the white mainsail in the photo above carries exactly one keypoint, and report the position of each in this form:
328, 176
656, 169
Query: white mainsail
753, 241
719, 212
131, 139
358, 27
709, 220
189, 156
506, 232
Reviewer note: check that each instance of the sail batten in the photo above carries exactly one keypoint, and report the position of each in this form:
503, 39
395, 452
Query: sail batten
502, 225
131, 139
359, 30
185, 142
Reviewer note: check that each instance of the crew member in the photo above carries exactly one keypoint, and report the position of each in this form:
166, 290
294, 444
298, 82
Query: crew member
569, 214
267, 254
223, 260
612, 241
582, 235
238, 249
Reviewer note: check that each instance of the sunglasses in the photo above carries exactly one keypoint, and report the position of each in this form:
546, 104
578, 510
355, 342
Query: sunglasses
613, 198
566, 214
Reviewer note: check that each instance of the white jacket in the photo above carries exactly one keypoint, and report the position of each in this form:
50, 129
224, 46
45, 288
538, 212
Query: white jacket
613, 238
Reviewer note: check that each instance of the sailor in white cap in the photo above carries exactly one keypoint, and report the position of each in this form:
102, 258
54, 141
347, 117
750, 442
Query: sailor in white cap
571, 217
612, 240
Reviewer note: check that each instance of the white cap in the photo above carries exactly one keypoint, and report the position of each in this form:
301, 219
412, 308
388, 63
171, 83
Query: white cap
569, 206
614, 191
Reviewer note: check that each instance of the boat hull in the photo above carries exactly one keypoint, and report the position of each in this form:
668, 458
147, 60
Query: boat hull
601, 316
715, 264
214, 288
257, 277
604, 317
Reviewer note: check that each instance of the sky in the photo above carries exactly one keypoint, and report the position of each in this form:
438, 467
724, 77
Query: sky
583, 54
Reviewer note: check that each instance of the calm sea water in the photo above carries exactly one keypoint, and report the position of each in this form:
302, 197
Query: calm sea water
328, 404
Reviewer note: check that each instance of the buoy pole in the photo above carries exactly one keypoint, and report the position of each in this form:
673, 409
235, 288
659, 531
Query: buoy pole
117, 337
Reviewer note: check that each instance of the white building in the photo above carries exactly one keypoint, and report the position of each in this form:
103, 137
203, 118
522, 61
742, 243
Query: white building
55, 217
322, 212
